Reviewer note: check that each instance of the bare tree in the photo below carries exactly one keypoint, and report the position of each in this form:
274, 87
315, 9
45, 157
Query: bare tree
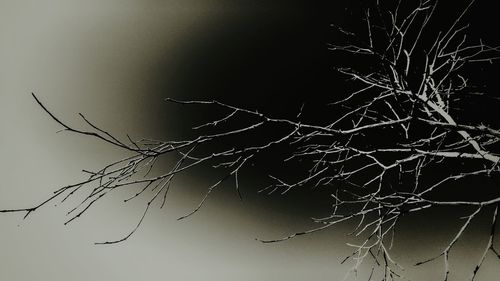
398, 144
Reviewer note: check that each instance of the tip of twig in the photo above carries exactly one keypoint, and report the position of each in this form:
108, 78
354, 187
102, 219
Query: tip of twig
106, 243
186, 216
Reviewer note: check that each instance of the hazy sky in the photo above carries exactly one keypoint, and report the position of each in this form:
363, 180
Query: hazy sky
115, 61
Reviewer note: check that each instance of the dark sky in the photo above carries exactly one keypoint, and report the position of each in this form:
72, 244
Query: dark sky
274, 56
268, 56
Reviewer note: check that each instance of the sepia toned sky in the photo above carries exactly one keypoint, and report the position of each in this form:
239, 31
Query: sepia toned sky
115, 61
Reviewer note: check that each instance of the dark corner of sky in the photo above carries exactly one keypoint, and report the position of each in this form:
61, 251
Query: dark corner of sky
270, 55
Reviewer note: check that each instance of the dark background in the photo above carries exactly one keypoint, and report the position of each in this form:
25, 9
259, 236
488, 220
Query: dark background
274, 57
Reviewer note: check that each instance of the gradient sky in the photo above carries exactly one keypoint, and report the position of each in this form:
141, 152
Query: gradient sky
115, 61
